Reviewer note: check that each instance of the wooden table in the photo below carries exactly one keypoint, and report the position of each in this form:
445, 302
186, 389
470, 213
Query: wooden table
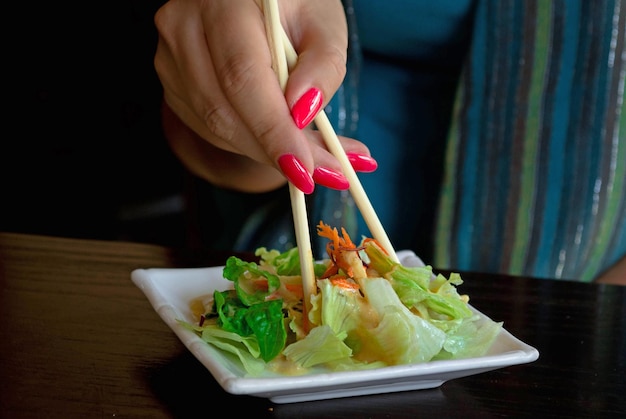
79, 340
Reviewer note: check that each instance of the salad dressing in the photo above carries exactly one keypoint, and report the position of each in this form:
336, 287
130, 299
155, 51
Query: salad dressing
369, 311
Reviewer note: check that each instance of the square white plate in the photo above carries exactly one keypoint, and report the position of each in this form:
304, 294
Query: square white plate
170, 292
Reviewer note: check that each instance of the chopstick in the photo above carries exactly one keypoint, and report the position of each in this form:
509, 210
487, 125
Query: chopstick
356, 189
275, 38
334, 146
284, 57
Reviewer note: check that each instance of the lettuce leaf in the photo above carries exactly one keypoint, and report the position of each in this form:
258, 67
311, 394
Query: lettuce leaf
246, 349
395, 315
245, 275
288, 262
401, 336
320, 346
249, 312
436, 298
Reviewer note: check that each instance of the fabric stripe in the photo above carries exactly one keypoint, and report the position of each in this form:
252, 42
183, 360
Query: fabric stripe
552, 164
533, 122
502, 159
582, 144
590, 104
535, 176
611, 197
465, 214
522, 92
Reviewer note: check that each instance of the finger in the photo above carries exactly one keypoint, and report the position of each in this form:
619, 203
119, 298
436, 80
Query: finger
240, 53
358, 155
227, 170
191, 88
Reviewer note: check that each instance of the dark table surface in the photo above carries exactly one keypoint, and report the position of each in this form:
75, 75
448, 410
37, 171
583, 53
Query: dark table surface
78, 340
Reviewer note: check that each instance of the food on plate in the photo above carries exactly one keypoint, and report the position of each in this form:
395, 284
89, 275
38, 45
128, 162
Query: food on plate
368, 312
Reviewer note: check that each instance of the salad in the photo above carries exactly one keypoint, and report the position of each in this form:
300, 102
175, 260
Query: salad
368, 312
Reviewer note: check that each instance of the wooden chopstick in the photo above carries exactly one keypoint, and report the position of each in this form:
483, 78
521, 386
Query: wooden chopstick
285, 57
332, 142
356, 189
275, 38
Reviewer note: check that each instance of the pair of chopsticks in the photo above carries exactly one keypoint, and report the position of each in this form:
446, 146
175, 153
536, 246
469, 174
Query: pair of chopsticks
284, 57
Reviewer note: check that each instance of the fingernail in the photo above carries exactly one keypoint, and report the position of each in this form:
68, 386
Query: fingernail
330, 178
307, 107
296, 173
362, 163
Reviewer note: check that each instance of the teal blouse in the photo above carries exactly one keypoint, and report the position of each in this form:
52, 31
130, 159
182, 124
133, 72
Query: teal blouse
525, 174
535, 178
404, 63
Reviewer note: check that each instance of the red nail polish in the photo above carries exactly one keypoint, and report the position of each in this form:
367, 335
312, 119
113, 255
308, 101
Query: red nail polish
307, 107
362, 163
296, 173
330, 178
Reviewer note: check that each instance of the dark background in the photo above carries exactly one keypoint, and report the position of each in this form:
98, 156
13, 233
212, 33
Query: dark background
82, 153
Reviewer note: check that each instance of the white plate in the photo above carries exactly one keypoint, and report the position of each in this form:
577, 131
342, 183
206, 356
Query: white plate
171, 290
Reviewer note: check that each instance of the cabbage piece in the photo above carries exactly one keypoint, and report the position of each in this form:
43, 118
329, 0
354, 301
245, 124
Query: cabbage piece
263, 320
437, 298
401, 336
470, 339
320, 346
351, 364
267, 323
340, 308
231, 312
286, 263
245, 349
445, 301
246, 275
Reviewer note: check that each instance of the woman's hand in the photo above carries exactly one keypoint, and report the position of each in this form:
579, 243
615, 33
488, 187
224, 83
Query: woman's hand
225, 114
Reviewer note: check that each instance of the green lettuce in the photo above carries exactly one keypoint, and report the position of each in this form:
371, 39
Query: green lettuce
396, 315
286, 263
437, 299
245, 349
401, 336
249, 312
320, 346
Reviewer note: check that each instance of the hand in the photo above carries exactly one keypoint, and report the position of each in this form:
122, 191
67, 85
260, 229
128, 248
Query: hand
225, 114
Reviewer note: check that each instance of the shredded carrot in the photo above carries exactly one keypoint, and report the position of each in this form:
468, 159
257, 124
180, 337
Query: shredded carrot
295, 289
332, 269
343, 282
334, 249
343, 241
